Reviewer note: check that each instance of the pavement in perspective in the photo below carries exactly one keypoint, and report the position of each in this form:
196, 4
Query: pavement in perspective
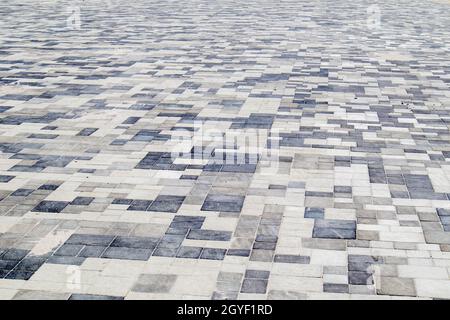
224, 149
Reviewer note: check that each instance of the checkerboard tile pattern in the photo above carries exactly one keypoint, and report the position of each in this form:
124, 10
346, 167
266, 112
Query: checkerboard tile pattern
93, 204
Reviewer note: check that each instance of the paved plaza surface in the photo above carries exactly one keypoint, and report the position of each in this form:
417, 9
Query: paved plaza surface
224, 149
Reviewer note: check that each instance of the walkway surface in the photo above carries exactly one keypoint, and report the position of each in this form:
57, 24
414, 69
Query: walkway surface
224, 149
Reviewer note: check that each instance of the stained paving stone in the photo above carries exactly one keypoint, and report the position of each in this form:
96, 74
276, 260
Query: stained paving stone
90, 239
189, 252
82, 201
352, 176
51, 206
213, 235
226, 203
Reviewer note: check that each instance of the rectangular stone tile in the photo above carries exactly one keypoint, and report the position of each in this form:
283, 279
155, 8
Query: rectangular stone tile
127, 253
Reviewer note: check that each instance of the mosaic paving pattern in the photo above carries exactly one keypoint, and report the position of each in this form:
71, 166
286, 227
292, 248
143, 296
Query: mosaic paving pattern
95, 206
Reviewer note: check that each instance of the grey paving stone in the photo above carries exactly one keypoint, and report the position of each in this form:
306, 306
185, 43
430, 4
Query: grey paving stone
92, 251
189, 252
226, 203
166, 204
360, 278
165, 252
209, 235
285, 258
213, 254
69, 250
396, 286
22, 192
332, 233
14, 254
335, 224
155, 283
314, 213
254, 286
82, 201
40, 295
127, 253
353, 116
76, 261
238, 252
51, 206
6, 178
171, 241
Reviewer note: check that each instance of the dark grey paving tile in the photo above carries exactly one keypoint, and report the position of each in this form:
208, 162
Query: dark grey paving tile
360, 278
6, 178
127, 253
82, 201
226, 203
154, 283
135, 242
213, 235
254, 286
314, 213
335, 288
331, 233
22, 192
51, 206
286, 258
165, 252
76, 261
257, 274
90, 239
213, 254
69, 250
189, 252
92, 251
